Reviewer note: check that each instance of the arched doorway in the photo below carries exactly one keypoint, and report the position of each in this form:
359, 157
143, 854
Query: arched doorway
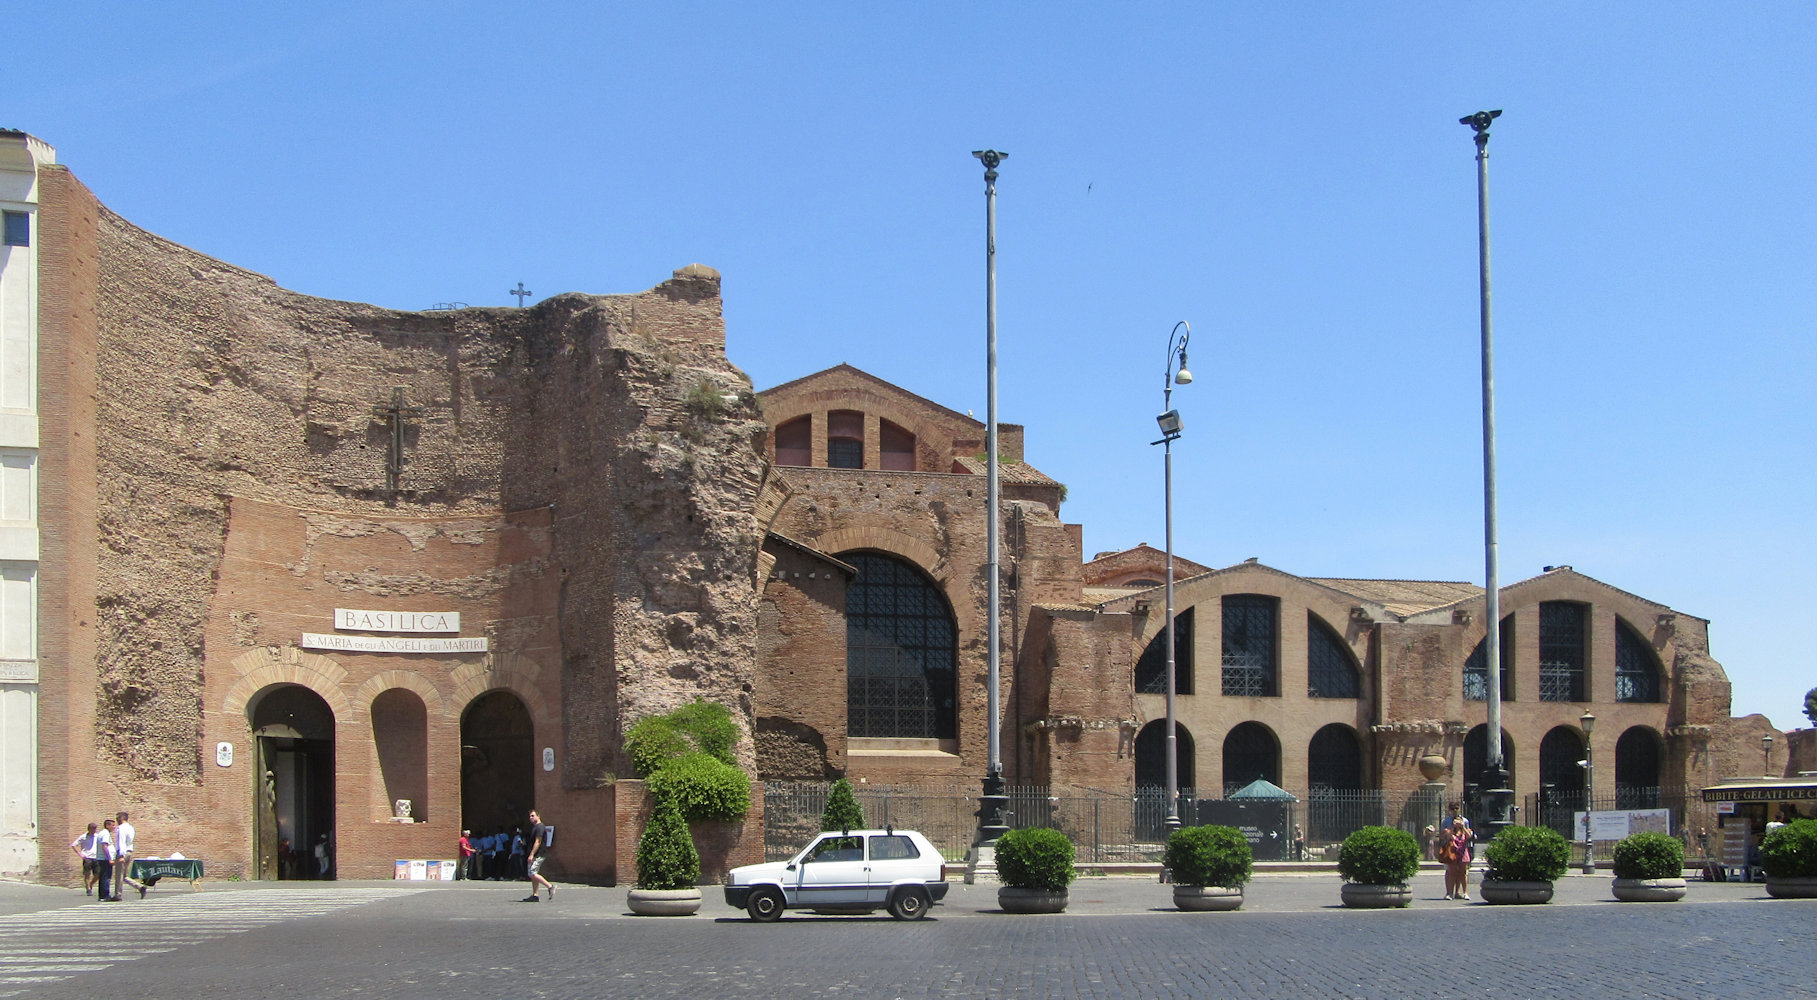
1637, 756
293, 803
1335, 801
1561, 779
498, 763
1151, 756
1250, 752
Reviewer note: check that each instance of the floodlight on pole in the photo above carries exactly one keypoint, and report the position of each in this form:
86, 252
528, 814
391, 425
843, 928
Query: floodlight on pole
1171, 427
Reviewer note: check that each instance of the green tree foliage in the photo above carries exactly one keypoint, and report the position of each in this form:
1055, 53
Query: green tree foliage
842, 812
703, 726
703, 787
666, 858
1810, 705
1379, 855
1791, 850
1528, 854
1035, 857
1209, 856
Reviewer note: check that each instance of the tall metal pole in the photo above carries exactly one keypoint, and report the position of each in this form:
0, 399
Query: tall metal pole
1170, 430
1588, 722
993, 802
1498, 799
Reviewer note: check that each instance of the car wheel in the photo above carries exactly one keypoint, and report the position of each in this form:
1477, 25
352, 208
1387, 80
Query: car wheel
765, 905
909, 903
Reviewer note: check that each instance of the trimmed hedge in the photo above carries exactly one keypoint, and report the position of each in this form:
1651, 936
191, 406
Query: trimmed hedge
703, 787
666, 858
1791, 850
842, 812
1527, 854
1209, 856
1379, 855
702, 727
1650, 855
1035, 858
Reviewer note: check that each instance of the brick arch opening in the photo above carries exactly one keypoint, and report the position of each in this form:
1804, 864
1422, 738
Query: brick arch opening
498, 762
293, 732
400, 744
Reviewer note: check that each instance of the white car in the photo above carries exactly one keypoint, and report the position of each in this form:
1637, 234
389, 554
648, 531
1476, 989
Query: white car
853, 871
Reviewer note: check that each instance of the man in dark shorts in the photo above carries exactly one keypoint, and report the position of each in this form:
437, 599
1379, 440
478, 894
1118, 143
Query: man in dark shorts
541, 841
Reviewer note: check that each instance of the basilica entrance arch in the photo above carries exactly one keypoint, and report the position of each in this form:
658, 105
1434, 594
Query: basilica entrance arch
293, 797
498, 769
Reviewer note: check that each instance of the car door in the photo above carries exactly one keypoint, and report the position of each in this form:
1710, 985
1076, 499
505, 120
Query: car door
832, 871
893, 857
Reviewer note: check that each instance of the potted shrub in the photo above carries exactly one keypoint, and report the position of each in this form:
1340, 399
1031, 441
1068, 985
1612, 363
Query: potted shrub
1789, 855
668, 867
1524, 861
1036, 865
1209, 865
1649, 868
842, 812
1376, 863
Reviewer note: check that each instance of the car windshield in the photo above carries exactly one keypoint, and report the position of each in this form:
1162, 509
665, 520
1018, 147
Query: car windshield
837, 849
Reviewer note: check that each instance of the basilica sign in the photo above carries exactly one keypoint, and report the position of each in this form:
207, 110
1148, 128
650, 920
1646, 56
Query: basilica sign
353, 620
402, 625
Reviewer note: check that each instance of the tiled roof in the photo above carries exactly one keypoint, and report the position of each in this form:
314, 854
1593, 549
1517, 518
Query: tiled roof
1404, 597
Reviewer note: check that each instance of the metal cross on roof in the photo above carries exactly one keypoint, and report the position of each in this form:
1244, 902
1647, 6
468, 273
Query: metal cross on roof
521, 292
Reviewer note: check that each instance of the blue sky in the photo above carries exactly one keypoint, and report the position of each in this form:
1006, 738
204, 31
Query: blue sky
1291, 178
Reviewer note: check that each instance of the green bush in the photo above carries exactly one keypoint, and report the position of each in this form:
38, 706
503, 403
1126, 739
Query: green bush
703, 787
704, 727
666, 858
1035, 858
1379, 855
1209, 856
1791, 850
842, 812
1527, 854
1650, 855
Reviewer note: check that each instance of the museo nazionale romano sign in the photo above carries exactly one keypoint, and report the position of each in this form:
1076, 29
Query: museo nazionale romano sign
355, 620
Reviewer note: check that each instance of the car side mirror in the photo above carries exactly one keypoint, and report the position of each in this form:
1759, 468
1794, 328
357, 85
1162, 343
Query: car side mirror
791, 866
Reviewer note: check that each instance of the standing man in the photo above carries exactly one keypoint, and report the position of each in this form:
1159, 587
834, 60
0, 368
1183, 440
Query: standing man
124, 834
464, 869
84, 846
542, 839
104, 862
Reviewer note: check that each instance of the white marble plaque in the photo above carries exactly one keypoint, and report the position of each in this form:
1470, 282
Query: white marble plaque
355, 620
393, 643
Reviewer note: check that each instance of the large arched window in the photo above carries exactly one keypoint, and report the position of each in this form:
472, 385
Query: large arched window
1637, 756
1250, 657
1476, 668
1151, 668
845, 439
1330, 670
1637, 670
1563, 640
795, 442
1250, 752
1334, 760
1561, 778
1151, 756
901, 652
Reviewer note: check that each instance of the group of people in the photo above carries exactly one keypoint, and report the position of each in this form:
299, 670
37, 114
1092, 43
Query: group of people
106, 852
500, 856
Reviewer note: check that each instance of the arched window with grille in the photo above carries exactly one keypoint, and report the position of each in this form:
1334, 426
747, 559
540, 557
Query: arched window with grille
844, 439
1561, 778
1331, 671
1637, 756
1151, 756
901, 652
1250, 752
1250, 652
1476, 668
1563, 642
1637, 671
1151, 668
1334, 760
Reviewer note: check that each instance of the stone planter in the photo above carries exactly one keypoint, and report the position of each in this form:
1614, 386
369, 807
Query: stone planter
1648, 890
1511, 892
1206, 898
665, 902
1801, 887
1015, 900
1363, 896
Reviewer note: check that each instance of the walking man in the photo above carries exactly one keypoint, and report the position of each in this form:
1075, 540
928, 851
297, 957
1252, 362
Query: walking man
123, 852
542, 839
104, 862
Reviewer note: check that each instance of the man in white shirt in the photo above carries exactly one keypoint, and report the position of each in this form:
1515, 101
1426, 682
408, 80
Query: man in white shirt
123, 852
84, 846
104, 862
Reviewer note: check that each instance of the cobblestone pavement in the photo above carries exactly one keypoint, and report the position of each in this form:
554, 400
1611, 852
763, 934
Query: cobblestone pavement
1119, 938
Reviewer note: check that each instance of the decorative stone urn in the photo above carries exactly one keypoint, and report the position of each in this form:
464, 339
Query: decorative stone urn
1802, 887
1364, 896
1207, 898
665, 902
1501, 891
1648, 890
1433, 765
1015, 900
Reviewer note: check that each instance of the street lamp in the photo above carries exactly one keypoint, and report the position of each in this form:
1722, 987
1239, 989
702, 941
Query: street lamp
1588, 721
1171, 427
994, 802
1766, 753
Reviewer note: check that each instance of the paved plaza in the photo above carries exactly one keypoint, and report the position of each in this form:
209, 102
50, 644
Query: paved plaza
1119, 938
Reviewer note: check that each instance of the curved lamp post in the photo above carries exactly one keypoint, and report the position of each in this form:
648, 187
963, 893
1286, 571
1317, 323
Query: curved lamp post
1170, 424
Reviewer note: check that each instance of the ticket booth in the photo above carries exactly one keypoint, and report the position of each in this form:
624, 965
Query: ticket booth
1745, 808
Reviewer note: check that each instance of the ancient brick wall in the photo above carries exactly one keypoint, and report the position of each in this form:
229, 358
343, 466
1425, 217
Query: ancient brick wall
799, 691
1075, 714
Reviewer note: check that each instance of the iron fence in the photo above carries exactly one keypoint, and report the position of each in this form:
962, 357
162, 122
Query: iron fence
1104, 826
1690, 817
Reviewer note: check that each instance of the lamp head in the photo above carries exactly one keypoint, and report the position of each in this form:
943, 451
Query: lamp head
1171, 425
1182, 377
1588, 721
